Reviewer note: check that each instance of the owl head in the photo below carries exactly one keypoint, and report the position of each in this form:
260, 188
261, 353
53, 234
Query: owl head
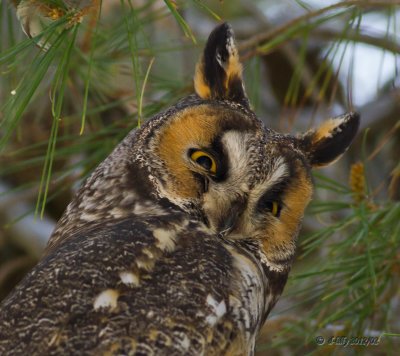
210, 157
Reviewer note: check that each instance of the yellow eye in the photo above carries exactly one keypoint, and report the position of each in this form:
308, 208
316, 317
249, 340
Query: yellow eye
275, 209
205, 160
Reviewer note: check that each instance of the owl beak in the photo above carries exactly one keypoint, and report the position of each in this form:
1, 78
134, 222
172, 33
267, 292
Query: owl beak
229, 221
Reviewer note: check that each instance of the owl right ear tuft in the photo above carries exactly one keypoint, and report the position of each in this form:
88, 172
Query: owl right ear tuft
219, 71
328, 142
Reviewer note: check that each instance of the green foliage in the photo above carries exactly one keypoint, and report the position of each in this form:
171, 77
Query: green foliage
58, 66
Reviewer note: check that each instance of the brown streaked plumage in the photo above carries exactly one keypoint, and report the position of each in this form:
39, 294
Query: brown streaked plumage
181, 241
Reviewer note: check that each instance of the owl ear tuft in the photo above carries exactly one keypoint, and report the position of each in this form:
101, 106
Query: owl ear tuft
328, 142
219, 71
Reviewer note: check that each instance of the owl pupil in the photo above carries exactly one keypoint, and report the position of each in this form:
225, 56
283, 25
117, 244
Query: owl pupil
270, 205
205, 162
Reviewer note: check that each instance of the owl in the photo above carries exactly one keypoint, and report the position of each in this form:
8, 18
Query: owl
181, 241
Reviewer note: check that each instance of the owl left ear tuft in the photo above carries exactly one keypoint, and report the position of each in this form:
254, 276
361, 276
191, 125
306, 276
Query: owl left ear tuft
328, 142
219, 71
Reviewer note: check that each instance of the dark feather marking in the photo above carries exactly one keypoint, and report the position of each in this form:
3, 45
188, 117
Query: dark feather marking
214, 74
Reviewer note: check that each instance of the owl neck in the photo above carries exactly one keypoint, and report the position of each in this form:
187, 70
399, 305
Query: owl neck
121, 187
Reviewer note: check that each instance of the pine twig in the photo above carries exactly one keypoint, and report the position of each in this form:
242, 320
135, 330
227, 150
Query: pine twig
381, 42
272, 33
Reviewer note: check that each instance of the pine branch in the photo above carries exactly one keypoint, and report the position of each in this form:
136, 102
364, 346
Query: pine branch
275, 32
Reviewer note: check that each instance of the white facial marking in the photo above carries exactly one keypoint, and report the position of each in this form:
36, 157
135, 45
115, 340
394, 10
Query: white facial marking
129, 278
218, 200
106, 299
234, 143
279, 171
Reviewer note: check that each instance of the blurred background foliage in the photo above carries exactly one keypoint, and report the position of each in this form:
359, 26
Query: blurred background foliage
76, 76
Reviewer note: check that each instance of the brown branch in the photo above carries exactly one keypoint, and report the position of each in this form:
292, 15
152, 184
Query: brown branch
382, 42
287, 49
269, 34
93, 12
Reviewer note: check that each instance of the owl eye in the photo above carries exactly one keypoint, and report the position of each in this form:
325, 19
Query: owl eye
273, 207
205, 160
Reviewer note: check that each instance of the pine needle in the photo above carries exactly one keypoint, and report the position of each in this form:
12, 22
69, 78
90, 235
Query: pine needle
180, 20
89, 72
142, 91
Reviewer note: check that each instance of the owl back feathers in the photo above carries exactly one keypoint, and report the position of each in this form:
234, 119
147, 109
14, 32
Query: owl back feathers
101, 291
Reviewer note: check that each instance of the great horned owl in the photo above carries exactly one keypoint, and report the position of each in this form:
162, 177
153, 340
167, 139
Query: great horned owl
181, 241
